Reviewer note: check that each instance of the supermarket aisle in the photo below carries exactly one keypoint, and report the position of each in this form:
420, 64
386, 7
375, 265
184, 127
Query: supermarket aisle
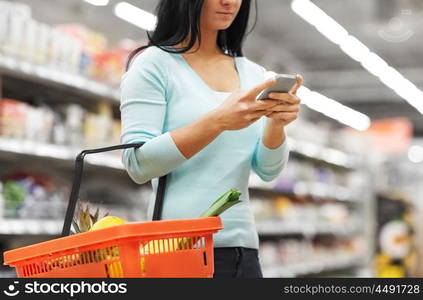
346, 204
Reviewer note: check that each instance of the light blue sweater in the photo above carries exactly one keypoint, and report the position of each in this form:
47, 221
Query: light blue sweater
160, 93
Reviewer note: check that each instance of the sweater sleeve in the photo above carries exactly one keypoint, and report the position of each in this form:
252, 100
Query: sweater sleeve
143, 108
268, 163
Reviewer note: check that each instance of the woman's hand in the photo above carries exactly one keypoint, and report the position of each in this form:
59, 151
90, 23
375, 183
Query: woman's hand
288, 106
241, 108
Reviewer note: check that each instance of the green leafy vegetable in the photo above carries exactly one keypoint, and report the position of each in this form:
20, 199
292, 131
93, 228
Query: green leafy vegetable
227, 200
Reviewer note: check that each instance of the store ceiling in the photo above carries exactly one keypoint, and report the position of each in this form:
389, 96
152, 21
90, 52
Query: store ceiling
283, 42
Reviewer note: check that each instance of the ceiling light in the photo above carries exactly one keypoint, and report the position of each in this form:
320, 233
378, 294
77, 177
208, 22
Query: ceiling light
135, 16
98, 2
359, 52
330, 107
415, 154
334, 109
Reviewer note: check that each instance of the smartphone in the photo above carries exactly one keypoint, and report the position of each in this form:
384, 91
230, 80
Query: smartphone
283, 84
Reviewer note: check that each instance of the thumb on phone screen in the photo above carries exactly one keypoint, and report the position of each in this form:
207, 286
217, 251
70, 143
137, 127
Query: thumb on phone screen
260, 87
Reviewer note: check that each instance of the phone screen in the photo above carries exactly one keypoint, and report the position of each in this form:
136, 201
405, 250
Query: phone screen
283, 84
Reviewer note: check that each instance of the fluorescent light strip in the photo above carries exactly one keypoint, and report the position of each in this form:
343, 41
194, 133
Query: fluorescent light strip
331, 108
359, 52
135, 16
98, 2
334, 109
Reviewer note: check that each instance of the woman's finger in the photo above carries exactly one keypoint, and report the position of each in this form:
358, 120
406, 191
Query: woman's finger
280, 96
286, 97
258, 114
264, 104
287, 116
258, 88
285, 108
298, 83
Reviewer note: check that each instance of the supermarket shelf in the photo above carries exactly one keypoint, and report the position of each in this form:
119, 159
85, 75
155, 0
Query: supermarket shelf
304, 188
313, 267
271, 227
30, 227
321, 189
23, 69
58, 152
8, 274
330, 156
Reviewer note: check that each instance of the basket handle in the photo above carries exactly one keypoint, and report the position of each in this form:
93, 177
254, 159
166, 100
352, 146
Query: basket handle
79, 164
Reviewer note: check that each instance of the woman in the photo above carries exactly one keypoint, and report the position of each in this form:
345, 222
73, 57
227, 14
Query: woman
190, 95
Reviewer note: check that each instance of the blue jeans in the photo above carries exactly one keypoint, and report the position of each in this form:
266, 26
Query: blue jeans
236, 262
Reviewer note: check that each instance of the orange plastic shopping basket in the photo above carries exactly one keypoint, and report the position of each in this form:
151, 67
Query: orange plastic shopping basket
159, 248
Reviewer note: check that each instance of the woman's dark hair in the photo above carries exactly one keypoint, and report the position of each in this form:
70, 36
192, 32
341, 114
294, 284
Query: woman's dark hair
176, 19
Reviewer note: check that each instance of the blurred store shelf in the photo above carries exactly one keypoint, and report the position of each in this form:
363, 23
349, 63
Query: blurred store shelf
314, 267
58, 152
272, 227
330, 156
305, 188
30, 227
321, 189
26, 70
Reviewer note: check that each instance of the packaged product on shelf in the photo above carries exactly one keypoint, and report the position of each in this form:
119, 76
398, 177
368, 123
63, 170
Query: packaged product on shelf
20, 9
39, 124
109, 66
64, 51
98, 127
69, 54
282, 205
69, 48
310, 132
268, 253
262, 208
91, 130
14, 196
78, 34
53, 57
117, 129
348, 140
59, 130
291, 251
74, 116
75, 53
89, 44
34, 123
30, 39
62, 55
17, 14
13, 118
4, 14
34, 196
42, 44
96, 45
15, 34
334, 213
297, 257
